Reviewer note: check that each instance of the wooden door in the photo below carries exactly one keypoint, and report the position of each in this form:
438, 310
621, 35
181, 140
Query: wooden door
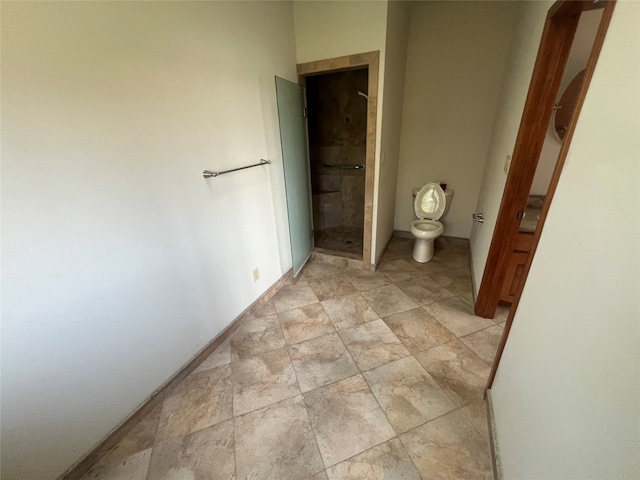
557, 38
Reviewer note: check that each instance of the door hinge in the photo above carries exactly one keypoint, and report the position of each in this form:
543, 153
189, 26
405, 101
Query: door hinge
304, 112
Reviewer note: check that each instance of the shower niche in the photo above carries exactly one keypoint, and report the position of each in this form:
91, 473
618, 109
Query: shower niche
337, 123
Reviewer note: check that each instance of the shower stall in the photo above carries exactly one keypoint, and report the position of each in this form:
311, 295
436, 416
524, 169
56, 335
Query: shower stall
337, 123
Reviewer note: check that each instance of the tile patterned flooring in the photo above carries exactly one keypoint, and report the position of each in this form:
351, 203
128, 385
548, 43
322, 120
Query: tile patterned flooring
340, 239
346, 374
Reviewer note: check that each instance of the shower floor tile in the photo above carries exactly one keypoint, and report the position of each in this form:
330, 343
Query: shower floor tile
341, 239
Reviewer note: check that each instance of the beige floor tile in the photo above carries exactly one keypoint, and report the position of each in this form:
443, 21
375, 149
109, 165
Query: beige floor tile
132, 467
321, 361
388, 300
221, 356
467, 297
418, 330
261, 381
319, 269
457, 315
349, 311
502, 312
449, 448
433, 267
456, 280
201, 400
425, 290
304, 323
366, 280
372, 344
300, 281
397, 255
261, 310
277, 442
407, 394
346, 419
333, 286
205, 454
459, 371
256, 337
484, 343
294, 296
388, 461
476, 413
400, 245
290, 344
398, 270
453, 256
140, 437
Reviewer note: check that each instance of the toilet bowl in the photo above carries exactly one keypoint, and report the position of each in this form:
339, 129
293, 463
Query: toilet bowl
430, 204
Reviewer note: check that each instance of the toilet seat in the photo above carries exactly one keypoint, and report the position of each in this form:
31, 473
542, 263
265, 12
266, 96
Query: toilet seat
429, 205
430, 202
427, 226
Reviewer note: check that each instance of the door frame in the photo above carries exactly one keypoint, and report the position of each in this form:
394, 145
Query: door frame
557, 38
350, 62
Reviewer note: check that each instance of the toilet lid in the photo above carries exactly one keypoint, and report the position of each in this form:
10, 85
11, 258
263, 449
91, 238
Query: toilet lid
430, 202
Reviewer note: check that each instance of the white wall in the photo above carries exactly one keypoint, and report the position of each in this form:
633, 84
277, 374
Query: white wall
329, 29
567, 392
119, 260
455, 63
394, 77
337, 28
515, 85
577, 61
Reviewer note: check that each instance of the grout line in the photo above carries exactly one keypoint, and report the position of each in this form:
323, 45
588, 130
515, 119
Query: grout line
304, 403
235, 444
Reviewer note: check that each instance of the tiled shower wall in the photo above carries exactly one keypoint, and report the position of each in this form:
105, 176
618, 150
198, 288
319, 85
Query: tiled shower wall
337, 136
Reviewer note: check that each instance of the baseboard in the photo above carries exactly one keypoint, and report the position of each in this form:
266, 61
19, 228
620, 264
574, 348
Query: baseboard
473, 277
402, 234
82, 466
493, 440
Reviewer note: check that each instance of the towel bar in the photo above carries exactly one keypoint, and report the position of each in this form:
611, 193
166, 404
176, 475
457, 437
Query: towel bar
208, 173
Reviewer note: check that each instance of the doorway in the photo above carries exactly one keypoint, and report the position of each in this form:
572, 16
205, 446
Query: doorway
337, 126
341, 98
507, 249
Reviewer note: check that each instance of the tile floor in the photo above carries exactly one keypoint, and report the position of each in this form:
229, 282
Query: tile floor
340, 239
345, 374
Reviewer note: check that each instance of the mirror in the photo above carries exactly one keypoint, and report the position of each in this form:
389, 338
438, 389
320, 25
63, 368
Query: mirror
566, 106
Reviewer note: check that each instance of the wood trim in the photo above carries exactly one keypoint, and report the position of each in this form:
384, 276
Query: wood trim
82, 466
557, 36
591, 65
349, 62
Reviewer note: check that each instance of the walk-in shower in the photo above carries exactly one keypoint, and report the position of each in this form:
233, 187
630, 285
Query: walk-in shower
337, 150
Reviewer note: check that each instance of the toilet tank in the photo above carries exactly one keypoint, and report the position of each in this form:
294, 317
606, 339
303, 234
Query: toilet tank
448, 193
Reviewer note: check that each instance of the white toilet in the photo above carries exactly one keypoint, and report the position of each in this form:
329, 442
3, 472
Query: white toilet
431, 203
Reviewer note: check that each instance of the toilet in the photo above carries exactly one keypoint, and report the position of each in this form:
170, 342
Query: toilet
431, 203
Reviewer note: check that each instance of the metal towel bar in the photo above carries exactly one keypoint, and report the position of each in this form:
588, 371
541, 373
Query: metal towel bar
208, 173
355, 167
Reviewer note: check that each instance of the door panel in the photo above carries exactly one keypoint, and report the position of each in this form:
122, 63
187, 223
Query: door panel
296, 170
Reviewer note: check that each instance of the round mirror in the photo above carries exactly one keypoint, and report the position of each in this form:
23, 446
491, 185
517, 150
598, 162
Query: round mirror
566, 106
